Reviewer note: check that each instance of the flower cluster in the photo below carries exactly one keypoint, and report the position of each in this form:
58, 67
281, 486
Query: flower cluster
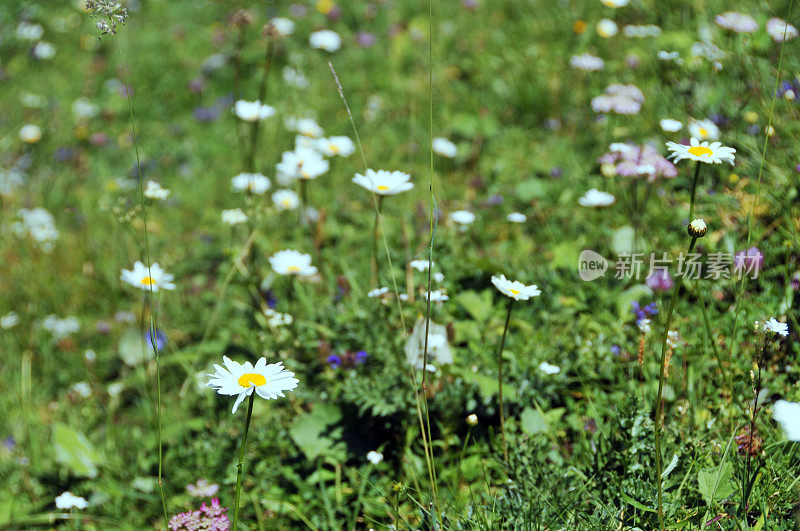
347, 359
207, 518
643, 313
621, 99
630, 160
37, 223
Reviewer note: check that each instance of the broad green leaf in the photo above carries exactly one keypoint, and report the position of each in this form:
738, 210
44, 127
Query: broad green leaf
477, 305
716, 483
74, 451
531, 421
309, 430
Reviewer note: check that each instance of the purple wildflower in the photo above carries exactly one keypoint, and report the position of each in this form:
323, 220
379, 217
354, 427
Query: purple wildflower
161, 340
207, 518
365, 39
748, 261
660, 280
334, 361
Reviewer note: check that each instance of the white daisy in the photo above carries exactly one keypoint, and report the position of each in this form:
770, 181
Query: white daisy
714, 153
153, 279
67, 500
614, 3
302, 163
378, 292
517, 217
436, 296
153, 190
774, 326
787, 414
703, 129
252, 111
420, 265
285, 199
268, 381
596, 198
462, 217
607, 28
327, 40
304, 126
670, 126
335, 145
777, 28
587, 62
234, 216
283, 26
374, 457
254, 183
30, 134
444, 147
515, 289
290, 262
548, 368
384, 182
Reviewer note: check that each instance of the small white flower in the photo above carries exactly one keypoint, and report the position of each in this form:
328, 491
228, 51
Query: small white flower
462, 217
283, 26
435, 296
304, 126
438, 277
83, 108
252, 111
254, 183
472, 419
67, 500
378, 292
302, 163
607, 28
295, 78
420, 265
30, 134
673, 339
153, 190
374, 457
153, 279
241, 379
515, 289
233, 216
714, 153
60, 328
596, 198
549, 369
37, 223
444, 147
516, 217
29, 32
276, 319
669, 125
787, 414
439, 351
777, 28
9, 320
384, 182
703, 129
644, 325
775, 326
290, 262
738, 22
285, 199
82, 389
614, 3
335, 145
327, 40
44, 50
587, 62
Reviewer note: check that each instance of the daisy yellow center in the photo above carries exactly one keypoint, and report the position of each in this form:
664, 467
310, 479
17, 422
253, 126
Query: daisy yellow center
700, 151
334, 149
703, 131
293, 269
514, 291
382, 188
286, 202
147, 281
251, 379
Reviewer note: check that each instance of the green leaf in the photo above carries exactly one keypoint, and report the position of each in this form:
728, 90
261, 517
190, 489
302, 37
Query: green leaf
531, 189
74, 451
309, 430
477, 305
531, 421
716, 483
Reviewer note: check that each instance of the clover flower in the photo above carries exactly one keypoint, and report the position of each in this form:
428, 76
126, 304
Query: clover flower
659, 280
242, 379
208, 518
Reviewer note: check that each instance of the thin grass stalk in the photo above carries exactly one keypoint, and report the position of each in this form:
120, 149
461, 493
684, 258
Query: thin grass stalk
240, 464
149, 273
659, 404
500, 380
262, 94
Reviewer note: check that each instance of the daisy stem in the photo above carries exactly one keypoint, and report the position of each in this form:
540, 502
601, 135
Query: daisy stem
303, 201
241, 461
375, 239
694, 189
500, 379
659, 403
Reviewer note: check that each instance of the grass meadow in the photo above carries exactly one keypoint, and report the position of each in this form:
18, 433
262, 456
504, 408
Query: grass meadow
399, 264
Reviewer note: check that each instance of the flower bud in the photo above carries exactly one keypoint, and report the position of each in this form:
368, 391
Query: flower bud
697, 228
